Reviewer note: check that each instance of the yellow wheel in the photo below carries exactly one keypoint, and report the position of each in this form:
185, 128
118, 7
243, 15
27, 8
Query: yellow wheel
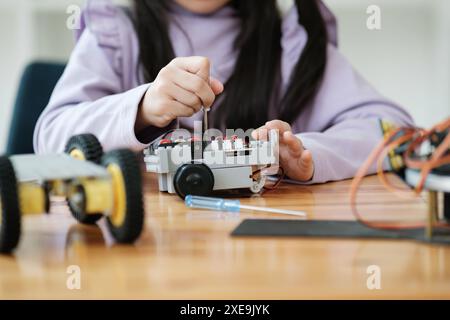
9, 207
118, 212
77, 204
84, 147
126, 220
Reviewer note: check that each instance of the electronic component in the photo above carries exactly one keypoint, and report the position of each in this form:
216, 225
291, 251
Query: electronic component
422, 158
198, 167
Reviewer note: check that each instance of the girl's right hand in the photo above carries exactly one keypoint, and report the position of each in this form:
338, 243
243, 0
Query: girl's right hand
181, 89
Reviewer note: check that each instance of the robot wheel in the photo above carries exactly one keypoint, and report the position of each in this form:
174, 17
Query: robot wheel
10, 214
84, 147
193, 178
127, 217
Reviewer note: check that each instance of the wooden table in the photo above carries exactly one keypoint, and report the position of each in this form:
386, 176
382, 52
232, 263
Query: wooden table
189, 254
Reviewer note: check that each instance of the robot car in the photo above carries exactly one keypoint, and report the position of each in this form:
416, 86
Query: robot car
199, 167
94, 184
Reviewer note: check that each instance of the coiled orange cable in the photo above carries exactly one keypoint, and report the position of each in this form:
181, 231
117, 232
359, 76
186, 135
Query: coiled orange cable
415, 136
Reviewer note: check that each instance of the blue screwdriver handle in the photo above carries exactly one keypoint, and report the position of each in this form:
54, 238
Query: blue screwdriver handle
212, 203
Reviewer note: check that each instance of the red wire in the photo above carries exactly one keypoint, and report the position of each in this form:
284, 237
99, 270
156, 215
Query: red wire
277, 183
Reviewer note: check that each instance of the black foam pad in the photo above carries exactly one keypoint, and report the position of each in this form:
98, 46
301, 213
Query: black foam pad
330, 229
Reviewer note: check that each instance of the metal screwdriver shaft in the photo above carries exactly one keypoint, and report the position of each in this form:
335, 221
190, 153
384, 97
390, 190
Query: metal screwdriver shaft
274, 210
205, 120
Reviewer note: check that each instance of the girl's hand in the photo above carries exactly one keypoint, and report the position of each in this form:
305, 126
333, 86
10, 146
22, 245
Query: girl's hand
180, 90
295, 160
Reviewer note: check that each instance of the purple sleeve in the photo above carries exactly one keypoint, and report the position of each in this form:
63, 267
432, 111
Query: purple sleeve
98, 92
342, 124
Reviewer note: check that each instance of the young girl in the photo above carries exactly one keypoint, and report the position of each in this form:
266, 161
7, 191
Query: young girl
135, 73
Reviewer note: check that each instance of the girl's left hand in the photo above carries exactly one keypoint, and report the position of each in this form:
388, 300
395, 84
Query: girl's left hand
296, 161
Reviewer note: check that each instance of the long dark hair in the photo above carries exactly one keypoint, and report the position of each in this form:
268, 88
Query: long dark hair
251, 86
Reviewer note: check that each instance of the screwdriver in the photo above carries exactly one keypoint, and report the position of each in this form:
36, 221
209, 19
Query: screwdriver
219, 204
205, 119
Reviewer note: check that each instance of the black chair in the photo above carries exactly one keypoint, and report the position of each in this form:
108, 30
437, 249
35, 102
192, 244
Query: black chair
36, 86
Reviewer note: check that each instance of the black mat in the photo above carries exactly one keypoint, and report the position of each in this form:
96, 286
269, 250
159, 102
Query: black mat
330, 229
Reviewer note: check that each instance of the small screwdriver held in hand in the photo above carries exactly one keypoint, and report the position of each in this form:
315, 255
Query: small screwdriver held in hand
219, 204
205, 119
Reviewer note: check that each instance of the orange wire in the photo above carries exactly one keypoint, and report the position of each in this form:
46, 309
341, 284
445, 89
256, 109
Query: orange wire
416, 136
437, 159
361, 173
381, 172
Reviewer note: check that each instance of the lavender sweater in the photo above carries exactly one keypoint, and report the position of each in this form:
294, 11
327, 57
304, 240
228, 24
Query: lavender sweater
100, 89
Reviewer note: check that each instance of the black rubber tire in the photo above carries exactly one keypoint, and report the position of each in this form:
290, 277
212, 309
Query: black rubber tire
92, 150
88, 144
133, 223
193, 178
10, 208
79, 211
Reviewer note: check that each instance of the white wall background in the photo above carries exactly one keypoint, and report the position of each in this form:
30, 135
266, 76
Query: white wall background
408, 60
